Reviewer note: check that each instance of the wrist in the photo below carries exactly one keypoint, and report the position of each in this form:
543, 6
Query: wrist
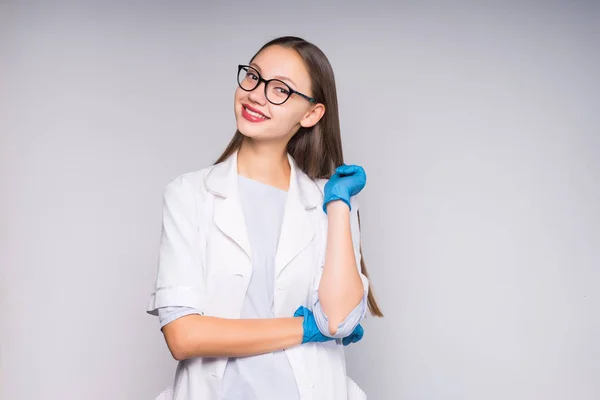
299, 329
337, 206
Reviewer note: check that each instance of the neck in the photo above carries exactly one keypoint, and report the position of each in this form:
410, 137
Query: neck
264, 162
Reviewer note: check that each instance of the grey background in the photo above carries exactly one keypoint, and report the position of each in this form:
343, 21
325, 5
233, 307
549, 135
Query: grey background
476, 124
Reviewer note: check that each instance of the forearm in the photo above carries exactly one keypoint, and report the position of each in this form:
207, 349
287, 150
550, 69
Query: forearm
204, 336
341, 288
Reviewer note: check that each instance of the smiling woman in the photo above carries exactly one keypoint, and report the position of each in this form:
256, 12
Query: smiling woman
285, 99
261, 280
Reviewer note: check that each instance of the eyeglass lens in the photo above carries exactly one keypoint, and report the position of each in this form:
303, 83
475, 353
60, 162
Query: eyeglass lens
277, 91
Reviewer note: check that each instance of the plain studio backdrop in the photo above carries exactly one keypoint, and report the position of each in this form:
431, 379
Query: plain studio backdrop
477, 126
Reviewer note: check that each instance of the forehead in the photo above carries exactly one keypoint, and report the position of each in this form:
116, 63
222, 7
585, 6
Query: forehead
277, 61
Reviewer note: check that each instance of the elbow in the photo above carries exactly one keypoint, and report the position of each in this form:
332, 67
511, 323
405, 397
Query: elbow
186, 338
336, 328
177, 356
341, 330
333, 328
343, 322
325, 325
341, 314
178, 352
177, 346
177, 340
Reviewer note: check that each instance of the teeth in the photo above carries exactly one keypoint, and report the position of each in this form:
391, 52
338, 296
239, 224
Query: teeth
254, 114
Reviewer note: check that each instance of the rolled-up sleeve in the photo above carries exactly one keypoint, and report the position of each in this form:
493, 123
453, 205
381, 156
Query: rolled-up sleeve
180, 278
359, 312
167, 315
346, 327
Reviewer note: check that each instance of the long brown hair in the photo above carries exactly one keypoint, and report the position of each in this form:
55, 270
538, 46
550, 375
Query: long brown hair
316, 150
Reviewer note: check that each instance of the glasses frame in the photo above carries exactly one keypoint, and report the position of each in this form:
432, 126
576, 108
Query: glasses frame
266, 82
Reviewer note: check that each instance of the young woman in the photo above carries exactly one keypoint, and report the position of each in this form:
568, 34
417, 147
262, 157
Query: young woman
261, 280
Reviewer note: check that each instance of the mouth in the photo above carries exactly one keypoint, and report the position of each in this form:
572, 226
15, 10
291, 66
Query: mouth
252, 114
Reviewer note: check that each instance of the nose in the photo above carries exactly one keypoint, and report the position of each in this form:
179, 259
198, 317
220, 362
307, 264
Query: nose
258, 94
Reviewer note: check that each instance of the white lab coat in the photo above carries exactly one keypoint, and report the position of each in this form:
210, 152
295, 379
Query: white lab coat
205, 263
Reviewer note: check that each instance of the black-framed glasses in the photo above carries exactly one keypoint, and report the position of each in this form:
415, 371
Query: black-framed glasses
276, 91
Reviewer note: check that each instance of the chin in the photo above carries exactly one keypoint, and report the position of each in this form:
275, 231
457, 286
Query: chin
248, 129
251, 129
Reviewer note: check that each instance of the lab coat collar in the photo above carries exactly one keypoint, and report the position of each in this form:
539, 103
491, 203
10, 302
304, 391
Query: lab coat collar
222, 181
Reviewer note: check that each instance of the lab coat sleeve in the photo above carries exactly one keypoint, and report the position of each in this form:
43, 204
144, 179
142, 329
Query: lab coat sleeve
179, 279
347, 326
167, 315
354, 318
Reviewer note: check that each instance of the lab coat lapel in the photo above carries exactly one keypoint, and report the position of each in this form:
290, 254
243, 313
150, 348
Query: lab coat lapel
230, 219
229, 215
297, 230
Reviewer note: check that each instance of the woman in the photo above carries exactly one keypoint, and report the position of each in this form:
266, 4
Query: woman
261, 280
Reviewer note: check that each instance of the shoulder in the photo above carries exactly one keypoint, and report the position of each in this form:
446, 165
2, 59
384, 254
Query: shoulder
189, 184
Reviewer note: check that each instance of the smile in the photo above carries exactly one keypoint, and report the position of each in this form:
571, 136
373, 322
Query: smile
253, 115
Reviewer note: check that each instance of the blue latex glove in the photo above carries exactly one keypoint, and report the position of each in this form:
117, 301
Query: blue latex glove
311, 330
313, 334
347, 181
355, 336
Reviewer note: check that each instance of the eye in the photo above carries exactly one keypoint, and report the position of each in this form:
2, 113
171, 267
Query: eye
282, 90
251, 75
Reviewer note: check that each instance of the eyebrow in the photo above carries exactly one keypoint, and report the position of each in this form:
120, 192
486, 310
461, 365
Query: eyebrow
283, 78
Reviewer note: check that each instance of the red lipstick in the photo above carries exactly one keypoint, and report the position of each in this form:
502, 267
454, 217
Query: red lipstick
254, 115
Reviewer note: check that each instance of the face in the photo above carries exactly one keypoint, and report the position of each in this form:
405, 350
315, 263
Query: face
259, 119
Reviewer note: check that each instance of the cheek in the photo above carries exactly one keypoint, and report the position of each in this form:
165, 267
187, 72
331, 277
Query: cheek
237, 99
238, 94
287, 115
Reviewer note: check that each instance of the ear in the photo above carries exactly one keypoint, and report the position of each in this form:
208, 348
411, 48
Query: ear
313, 116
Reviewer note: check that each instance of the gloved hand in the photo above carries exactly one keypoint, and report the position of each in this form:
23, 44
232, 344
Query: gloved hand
347, 181
313, 334
311, 330
355, 336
